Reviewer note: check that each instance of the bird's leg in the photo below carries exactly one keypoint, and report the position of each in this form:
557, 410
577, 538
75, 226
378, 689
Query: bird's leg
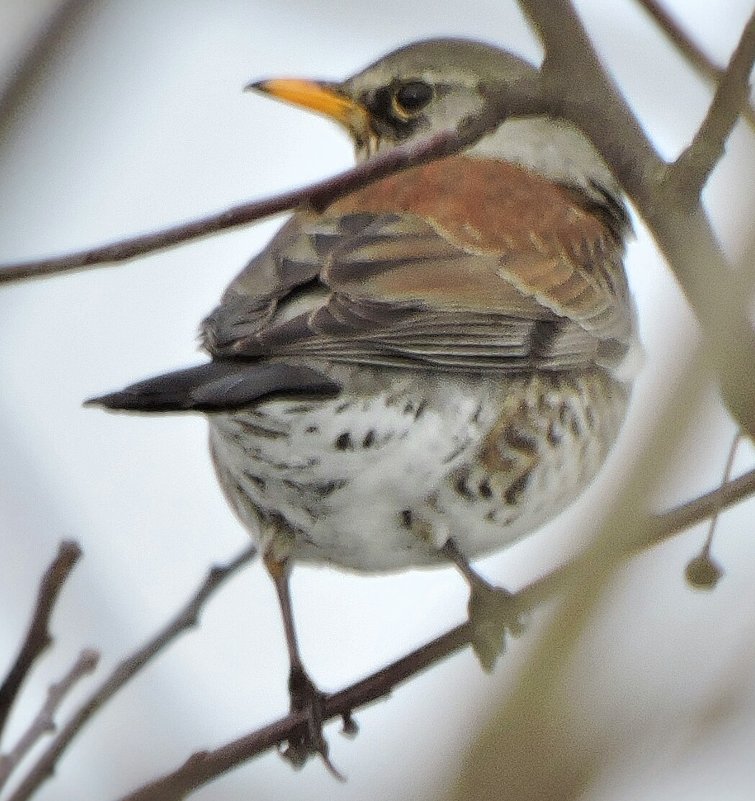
492, 610
303, 692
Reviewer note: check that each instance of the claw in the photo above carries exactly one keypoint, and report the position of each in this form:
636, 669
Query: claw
492, 610
305, 696
350, 726
492, 614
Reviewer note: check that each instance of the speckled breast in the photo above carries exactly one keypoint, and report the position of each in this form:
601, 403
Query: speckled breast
379, 478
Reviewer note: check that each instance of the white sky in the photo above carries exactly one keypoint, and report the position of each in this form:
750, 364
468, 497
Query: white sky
140, 122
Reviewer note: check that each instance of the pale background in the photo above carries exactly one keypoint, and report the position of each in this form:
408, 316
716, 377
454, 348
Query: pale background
140, 122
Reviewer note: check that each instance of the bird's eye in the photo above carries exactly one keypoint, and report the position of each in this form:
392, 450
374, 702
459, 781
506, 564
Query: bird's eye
411, 97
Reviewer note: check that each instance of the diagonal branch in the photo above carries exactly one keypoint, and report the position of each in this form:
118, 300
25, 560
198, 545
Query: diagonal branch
694, 55
125, 671
577, 88
44, 721
688, 514
35, 63
316, 196
205, 766
691, 170
38, 635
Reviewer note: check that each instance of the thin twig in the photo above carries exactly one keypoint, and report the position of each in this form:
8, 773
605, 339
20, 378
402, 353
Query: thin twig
655, 530
704, 65
694, 165
38, 635
523, 98
186, 618
316, 196
713, 502
703, 572
726, 478
204, 766
44, 721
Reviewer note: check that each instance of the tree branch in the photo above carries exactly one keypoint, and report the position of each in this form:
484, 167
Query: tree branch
205, 766
691, 170
689, 514
316, 196
35, 64
576, 87
126, 670
38, 636
45, 720
694, 55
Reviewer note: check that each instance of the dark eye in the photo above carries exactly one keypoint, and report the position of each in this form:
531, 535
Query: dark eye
412, 97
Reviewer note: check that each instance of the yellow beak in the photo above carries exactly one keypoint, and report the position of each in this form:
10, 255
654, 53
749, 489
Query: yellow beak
323, 99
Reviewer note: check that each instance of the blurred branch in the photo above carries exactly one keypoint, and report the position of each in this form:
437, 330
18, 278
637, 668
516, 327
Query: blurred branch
205, 766
44, 721
689, 514
694, 54
527, 746
35, 64
577, 88
691, 170
38, 636
186, 618
574, 86
317, 196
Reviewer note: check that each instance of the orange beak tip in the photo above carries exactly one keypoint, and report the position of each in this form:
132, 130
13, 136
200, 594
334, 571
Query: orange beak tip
318, 96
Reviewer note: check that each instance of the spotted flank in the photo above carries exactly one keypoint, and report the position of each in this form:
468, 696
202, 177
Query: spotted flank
444, 352
379, 481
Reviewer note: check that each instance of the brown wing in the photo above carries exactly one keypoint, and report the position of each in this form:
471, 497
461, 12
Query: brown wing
460, 264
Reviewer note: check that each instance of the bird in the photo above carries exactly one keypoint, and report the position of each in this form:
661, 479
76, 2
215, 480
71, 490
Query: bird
435, 364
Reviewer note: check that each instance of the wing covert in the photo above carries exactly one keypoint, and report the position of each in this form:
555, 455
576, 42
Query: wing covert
374, 282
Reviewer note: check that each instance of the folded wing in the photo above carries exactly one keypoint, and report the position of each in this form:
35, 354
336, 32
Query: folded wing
454, 266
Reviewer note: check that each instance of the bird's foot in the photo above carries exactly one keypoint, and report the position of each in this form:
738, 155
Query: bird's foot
305, 696
493, 614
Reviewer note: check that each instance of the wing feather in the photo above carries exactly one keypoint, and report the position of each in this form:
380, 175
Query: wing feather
376, 282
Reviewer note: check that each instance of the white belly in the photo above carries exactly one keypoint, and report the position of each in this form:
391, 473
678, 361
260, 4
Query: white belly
380, 481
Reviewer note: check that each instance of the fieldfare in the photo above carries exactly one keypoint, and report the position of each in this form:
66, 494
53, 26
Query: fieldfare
436, 364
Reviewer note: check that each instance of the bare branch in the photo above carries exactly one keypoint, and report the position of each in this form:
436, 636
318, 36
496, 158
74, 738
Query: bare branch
576, 87
186, 618
44, 722
205, 766
694, 55
34, 65
317, 196
38, 635
691, 170
688, 514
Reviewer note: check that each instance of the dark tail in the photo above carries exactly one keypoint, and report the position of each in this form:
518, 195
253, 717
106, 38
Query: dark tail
218, 386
